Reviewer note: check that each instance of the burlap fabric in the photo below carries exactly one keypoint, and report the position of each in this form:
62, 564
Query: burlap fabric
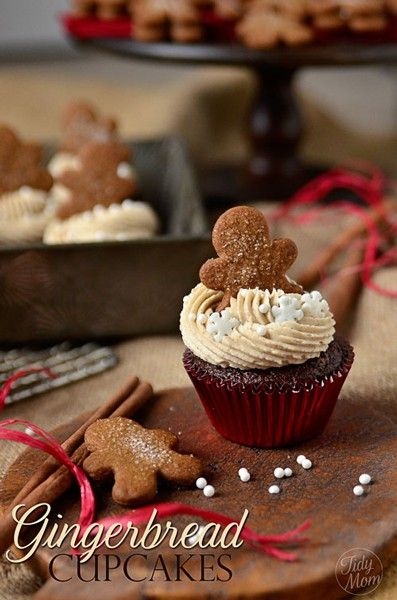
33, 103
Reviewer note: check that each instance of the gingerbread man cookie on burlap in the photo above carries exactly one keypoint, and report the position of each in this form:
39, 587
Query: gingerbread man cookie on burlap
136, 457
248, 258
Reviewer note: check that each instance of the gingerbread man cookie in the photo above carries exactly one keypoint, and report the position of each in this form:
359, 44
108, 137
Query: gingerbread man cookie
81, 124
179, 20
104, 9
20, 163
247, 256
263, 28
104, 178
136, 457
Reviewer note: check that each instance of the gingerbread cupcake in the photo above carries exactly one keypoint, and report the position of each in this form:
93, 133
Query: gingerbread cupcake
261, 351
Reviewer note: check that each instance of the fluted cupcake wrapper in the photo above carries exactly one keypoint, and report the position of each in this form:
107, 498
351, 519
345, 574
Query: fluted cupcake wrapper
269, 418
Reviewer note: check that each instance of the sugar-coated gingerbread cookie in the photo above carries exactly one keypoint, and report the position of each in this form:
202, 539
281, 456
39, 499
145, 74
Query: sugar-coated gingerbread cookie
104, 177
136, 457
20, 163
248, 258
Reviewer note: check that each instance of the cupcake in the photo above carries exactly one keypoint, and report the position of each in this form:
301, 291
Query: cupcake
260, 351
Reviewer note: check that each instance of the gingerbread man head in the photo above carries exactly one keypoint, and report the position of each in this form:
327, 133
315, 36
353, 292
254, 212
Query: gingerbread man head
83, 124
248, 258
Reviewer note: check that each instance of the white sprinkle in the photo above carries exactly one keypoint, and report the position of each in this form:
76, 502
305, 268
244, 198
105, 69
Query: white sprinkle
307, 464
365, 479
193, 539
192, 316
100, 236
209, 491
243, 292
128, 203
263, 308
274, 489
201, 482
300, 459
201, 318
288, 472
185, 298
114, 208
279, 473
124, 171
358, 490
260, 329
244, 474
98, 209
25, 191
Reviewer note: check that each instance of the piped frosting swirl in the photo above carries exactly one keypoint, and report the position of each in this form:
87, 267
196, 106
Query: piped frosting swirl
259, 330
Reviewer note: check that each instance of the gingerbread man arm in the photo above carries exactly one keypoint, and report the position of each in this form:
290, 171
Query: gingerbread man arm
182, 469
212, 274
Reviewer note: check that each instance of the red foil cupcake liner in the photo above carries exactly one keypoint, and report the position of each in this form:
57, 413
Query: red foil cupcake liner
269, 418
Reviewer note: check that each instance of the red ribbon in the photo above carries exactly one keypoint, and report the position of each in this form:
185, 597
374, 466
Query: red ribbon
6, 388
263, 543
369, 186
51, 446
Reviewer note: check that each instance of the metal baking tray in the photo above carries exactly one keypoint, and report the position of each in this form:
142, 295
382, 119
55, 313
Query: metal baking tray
112, 289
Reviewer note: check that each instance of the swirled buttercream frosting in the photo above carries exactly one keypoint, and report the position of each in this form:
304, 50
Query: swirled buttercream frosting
24, 214
126, 221
259, 330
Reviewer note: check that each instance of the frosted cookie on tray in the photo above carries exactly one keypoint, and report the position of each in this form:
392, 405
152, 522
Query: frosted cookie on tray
97, 200
25, 199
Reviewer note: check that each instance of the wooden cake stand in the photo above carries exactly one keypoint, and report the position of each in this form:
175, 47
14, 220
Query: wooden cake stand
358, 440
274, 126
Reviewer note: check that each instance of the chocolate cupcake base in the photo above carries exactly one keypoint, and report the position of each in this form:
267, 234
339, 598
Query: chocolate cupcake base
275, 407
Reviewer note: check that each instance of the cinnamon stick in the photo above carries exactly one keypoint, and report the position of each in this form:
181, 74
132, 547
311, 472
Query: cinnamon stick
344, 287
51, 481
309, 277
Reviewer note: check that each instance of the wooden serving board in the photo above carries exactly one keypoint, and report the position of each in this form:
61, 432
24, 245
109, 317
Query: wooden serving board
358, 440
